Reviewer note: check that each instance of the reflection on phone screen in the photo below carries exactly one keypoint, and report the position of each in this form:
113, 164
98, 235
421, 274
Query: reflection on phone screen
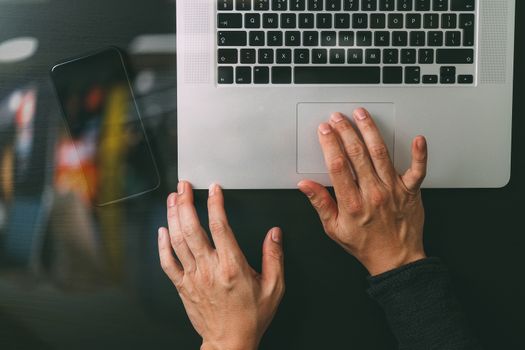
105, 127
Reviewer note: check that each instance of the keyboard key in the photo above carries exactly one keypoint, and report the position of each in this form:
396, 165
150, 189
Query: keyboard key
342, 21
355, 56
449, 20
337, 56
328, 38
369, 5
431, 21
292, 38
412, 75
227, 56
310, 38
337, 75
252, 20
229, 20
404, 5
386, 5
319, 56
455, 56
399, 38
224, 5
346, 38
453, 38
466, 22
243, 5
333, 5
257, 38
351, 5
306, 20
426, 56
395, 20
408, 56
378, 21
225, 75
270, 20
279, 5
417, 38
324, 20
382, 38
413, 21
360, 21
297, 5
248, 56
448, 75
422, 5
390, 56
288, 20
373, 56
430, 79
440, 5
265, 56
435, 38
274, 38
363, 38
231, 38
261, 75
315, 5
261, 5
281, 75
392, 75
243, 75
463, 5
301, 56
465, 79
284, 56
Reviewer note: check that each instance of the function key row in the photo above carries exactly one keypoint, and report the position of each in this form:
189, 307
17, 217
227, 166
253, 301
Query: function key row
346, 5
344, 20
337, 75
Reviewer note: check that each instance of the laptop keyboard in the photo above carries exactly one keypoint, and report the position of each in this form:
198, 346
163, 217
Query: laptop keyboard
360, 42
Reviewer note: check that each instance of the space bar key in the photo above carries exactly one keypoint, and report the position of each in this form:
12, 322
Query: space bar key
337, 75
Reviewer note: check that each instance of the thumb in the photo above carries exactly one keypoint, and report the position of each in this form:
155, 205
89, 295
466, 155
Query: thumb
273, 260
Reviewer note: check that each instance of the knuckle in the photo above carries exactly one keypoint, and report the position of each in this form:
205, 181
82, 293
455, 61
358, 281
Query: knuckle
275, 254
218, 226
379, 152
177, 240
337, 165
355, 150
229, 273
354, 206
378, 198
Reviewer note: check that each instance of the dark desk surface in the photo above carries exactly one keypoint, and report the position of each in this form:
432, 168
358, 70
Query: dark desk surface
57, 300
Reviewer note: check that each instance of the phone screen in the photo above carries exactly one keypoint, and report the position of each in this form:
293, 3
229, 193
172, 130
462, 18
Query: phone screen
105, 127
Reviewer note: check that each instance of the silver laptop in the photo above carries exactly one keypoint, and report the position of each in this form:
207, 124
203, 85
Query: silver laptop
257, 77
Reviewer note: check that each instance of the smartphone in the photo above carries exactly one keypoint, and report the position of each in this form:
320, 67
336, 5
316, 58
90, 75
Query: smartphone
104, 128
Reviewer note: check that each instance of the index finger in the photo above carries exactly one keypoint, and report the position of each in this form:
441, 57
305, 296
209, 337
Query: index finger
223, 237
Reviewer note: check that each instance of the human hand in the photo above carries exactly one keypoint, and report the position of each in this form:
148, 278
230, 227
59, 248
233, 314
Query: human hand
229, 304
379, 215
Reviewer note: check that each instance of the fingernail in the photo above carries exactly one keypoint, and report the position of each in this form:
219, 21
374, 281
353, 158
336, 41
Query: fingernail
325, 129
212, 190
276, 235
420, 143
337, 117
180, 187
360, 114
172, 200
160, 234
306, 190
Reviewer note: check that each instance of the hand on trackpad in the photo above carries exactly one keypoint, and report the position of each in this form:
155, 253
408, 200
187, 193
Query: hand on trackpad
309, 115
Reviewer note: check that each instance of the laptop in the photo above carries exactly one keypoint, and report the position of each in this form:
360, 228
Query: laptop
257, 77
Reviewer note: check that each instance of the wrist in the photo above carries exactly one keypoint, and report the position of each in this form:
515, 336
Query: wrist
385, 265
243, 345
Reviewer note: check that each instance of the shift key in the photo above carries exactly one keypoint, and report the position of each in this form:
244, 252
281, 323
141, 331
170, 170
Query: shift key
455, 56
232, 38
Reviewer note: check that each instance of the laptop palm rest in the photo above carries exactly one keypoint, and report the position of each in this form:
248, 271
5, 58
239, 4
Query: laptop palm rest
309, 115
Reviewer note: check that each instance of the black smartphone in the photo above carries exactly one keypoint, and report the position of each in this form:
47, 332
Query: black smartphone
105, 127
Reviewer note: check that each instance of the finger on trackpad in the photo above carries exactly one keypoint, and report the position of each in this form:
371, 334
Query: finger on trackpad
309, 115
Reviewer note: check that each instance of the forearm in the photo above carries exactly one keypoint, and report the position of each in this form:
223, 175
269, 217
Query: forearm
247, 346
421, 307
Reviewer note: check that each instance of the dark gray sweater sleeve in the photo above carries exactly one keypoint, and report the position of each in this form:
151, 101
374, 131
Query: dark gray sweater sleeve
421, 308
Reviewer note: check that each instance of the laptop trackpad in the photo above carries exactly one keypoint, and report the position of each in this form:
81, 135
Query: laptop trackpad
309, 115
